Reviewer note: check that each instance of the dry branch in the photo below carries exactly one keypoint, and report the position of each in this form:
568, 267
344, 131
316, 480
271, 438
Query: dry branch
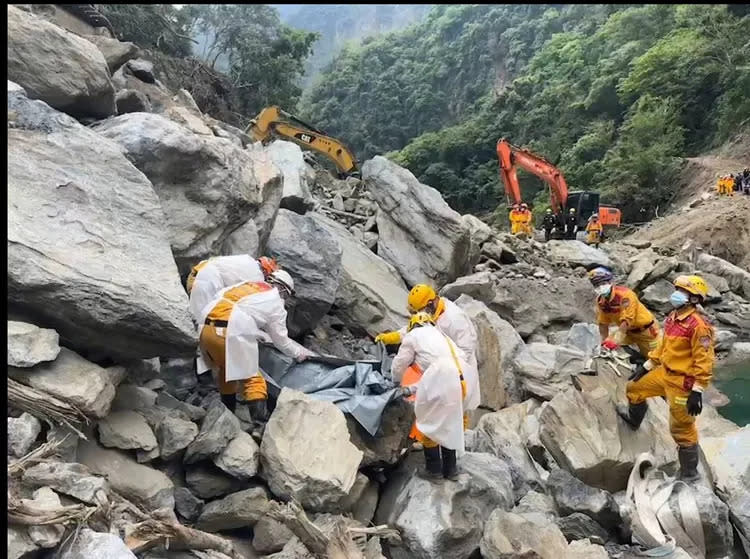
173, 535
345, 214
26, 513
37, 455
45, 406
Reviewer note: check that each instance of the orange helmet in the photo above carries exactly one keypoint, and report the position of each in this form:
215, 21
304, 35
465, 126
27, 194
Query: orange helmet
268, 265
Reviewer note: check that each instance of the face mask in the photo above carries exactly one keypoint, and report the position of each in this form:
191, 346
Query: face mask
604, 290
678, 299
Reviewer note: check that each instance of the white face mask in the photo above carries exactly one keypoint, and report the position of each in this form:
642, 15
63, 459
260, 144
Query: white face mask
604, 289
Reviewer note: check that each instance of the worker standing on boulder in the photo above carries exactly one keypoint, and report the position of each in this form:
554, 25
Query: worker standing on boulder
516, 219
548, 223
594, 230
526, 220
572, 223
439, 393
455, 323
230, 328
679, 369
619, 305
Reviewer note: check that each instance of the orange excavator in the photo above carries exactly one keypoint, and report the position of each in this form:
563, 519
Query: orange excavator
561, 201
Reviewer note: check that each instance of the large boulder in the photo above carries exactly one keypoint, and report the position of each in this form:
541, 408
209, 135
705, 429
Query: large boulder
141, 484
508, 535
116, 53
532, 304
74, 480
545, 369
584, 434
729, 459
62, 69
306, 453
656, 296
72, 379
386, 447
420, 234
479, 233
737, 278
240, 458
208, 482
498, 344
87, 254
312, 255
479, 286
238, 510
28, 344
443, 520
576, 253
288, 158
207, 186
371, 294
573, 496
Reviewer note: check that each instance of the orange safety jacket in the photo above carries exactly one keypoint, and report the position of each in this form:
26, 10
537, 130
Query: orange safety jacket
623, 305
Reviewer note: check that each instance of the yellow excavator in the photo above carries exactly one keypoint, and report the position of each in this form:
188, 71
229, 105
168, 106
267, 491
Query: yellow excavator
272, 122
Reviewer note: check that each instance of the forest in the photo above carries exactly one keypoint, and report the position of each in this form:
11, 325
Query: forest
614, 95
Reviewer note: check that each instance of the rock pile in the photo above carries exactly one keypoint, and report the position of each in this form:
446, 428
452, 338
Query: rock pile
109, 427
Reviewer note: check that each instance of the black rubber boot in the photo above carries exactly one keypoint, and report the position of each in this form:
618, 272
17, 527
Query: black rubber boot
258, 410
450, 470
688, 456
432, 463
230, 401
633, 414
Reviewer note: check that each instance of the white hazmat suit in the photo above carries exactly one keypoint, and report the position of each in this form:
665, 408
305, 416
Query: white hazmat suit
218, 273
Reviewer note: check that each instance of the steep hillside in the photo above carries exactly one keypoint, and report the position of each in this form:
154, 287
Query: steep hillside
340, 24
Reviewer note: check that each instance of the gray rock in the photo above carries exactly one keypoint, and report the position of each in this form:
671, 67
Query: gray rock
95, 545
739, 353
367, 503
62, 69
141, 484
132, 101
243, 240
50, 535
99, 203
502, 434
737, 278
28, 344
532, 304
584, 434
420, 234
572, 495
498, 344
208, 482
66, 440
444, 519
656, 296
270, 536
576, 253
187, 505
479, 286
371, 294
578, 526
479, 233
312, 255
294, 549
207, 186
546, 369
509, 535
126, 430
385, 448
240, 458
75, 480
22, 433
537, 503
174, 435
584, 337
218, 428
288, 158
338, 202
499, 252
132, 397
306, 452
115, 52
20, 544
195, 413
586, 549
142, 69
238, 510
71, 379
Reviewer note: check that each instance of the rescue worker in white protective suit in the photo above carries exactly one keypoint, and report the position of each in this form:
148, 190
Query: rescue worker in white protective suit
439, 393
208, 277
456, 324
231, 326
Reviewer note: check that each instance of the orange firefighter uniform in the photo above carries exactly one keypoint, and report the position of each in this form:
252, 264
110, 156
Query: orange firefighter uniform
527, 218
516, 221
594, 232
684, 361
623, 305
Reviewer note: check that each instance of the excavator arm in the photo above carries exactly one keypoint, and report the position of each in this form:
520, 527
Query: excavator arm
274, 122
511, 156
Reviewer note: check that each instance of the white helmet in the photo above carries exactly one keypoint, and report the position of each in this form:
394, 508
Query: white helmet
283, 279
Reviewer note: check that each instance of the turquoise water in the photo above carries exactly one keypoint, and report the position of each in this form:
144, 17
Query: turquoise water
734, 381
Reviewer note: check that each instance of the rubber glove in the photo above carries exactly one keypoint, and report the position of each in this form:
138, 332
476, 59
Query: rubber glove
695, 403
610, 344
389, 338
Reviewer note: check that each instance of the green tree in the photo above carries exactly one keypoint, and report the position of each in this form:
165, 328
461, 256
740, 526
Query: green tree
152, 26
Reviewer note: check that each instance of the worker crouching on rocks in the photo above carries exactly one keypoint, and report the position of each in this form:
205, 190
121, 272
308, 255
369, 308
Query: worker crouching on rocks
439, 393
619, 305
230, 328
679, 369
453, 322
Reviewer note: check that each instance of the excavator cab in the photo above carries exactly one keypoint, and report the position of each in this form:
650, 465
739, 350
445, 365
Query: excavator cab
587, 203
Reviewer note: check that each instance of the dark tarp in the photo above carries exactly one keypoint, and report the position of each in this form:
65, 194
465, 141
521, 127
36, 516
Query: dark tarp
357, 387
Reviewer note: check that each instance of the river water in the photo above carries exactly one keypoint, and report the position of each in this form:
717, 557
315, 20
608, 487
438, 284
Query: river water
734, 381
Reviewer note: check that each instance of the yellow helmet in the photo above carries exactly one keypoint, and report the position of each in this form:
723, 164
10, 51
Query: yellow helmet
695, 285
418, 319
419, 296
